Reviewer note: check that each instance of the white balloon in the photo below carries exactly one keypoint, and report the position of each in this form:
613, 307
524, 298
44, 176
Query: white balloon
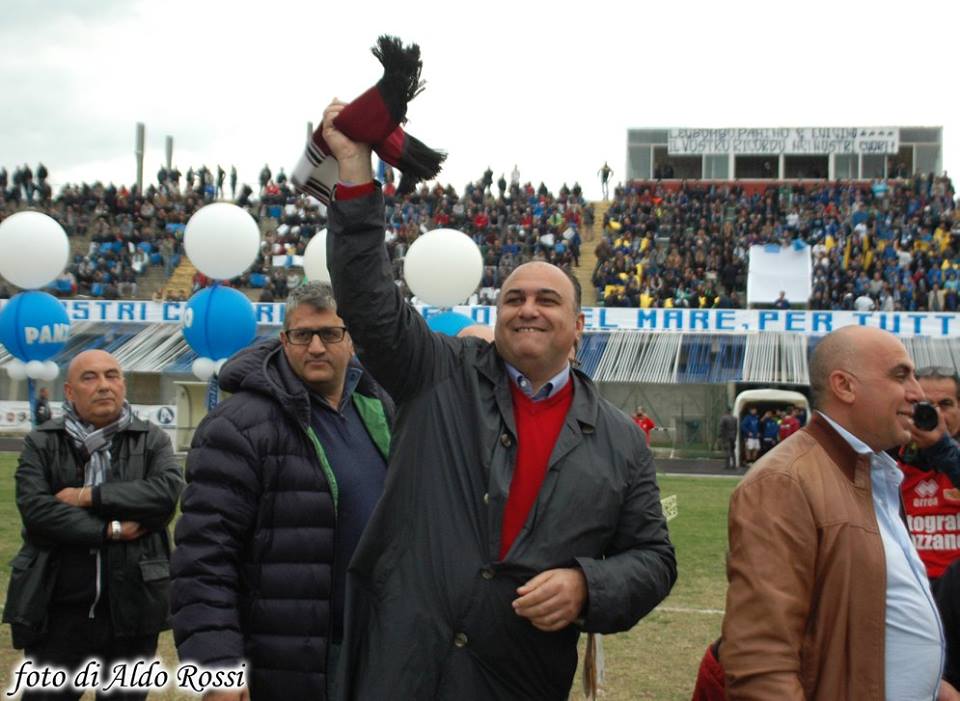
203, 368
315, 258
221, 240
443, 267
33, 249
35, 369
17, 370
50, 371
220, 364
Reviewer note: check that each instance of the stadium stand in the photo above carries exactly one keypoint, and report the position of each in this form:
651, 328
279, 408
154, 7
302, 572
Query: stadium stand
118, 236
888, 245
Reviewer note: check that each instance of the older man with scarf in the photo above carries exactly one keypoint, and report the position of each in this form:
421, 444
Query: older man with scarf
96, 490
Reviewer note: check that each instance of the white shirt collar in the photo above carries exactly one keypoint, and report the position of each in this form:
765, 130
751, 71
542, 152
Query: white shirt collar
552, 386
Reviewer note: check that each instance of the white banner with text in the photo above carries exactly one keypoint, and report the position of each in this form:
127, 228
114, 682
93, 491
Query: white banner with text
15, 416
786, 140
740, 321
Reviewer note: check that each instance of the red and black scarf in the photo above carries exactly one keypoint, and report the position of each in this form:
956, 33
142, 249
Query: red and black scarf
374, 118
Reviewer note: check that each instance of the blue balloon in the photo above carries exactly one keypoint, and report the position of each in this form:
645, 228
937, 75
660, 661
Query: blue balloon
34, 326
449, 323
219, 321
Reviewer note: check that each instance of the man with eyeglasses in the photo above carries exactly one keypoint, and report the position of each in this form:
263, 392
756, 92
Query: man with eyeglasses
282, 478
931, 500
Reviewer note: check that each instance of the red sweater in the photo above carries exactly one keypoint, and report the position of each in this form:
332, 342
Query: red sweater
538, 426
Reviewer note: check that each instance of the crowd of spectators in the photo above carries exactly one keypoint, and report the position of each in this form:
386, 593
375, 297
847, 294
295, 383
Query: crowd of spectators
129, 231
884, 244
887, 245
510, 223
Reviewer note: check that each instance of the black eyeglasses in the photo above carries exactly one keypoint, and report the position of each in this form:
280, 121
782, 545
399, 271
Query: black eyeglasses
937, 372
327, 334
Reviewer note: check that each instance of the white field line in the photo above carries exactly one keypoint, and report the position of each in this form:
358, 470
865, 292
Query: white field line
684, 609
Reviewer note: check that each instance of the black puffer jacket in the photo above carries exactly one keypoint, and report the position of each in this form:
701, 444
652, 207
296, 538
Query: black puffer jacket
252, 571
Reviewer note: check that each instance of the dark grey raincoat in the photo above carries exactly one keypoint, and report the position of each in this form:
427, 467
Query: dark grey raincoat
429, 614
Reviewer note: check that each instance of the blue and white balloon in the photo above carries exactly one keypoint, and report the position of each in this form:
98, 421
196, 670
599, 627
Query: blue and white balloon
217, 322
34, 326
449, 323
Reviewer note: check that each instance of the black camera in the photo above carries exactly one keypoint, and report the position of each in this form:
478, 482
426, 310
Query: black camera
925, 416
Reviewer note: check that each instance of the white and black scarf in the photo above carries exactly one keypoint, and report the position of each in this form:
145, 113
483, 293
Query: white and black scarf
94, 443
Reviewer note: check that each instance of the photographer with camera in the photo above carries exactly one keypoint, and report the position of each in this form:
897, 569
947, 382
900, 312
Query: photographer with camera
931, 466
931, 498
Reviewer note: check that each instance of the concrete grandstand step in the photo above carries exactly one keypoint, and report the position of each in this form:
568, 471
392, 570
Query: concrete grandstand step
152, 280
588, 256
181, 282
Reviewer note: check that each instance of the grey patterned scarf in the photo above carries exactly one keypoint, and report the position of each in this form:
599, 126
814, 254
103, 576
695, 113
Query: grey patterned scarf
94, 443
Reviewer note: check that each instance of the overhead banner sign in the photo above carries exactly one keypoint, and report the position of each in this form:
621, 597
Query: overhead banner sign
742, 321
147, 312
738, 321
790, 141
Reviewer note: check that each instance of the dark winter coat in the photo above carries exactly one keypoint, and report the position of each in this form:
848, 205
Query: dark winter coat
431, 614
252, 571
143, 485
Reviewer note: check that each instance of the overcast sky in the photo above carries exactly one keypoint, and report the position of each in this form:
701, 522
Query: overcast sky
551, 87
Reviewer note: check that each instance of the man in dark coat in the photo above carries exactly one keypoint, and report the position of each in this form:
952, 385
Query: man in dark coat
96, 489
282, 478
41, 412
520, 509
727, 435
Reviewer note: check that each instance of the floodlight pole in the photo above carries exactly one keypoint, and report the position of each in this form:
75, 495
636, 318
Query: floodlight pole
141, 130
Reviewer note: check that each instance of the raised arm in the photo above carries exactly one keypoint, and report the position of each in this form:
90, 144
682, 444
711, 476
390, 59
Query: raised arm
393, 340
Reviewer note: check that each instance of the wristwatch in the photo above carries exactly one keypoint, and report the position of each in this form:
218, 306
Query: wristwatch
115, 530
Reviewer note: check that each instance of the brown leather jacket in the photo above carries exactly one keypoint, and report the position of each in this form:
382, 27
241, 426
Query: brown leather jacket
807, 576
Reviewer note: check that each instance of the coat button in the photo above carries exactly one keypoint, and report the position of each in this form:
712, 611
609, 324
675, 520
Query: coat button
487, 573
486, 498
505, 440
460, 640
